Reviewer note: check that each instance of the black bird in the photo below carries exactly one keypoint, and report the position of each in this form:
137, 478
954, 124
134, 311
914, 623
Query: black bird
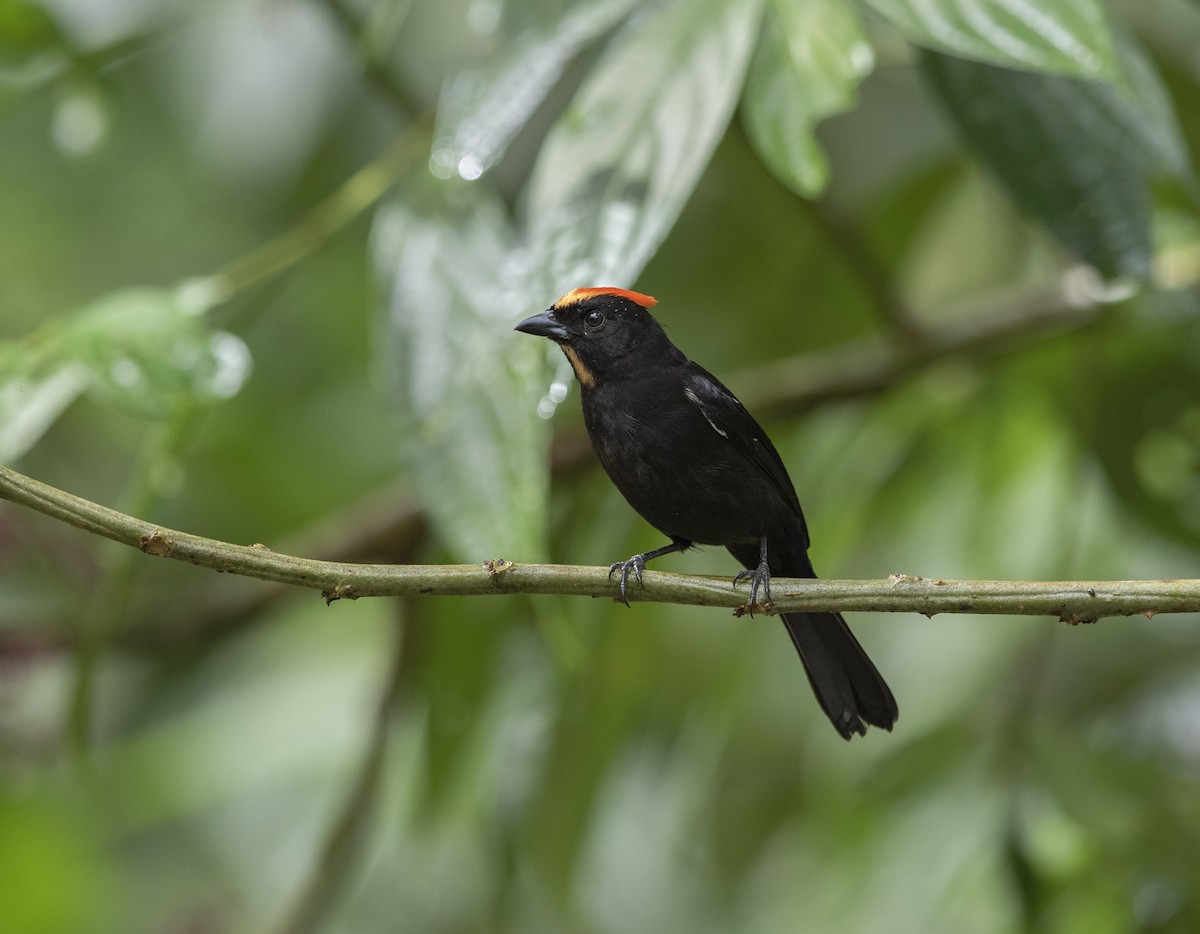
696, 465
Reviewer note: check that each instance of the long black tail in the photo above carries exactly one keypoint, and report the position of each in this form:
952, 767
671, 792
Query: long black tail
846, 682
848, 686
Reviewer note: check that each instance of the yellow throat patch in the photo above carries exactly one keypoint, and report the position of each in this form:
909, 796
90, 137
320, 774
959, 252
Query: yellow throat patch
587, 379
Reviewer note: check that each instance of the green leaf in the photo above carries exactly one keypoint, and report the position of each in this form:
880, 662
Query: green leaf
150, 353
621, 162
1142, 111
1148, 452
809, 62
30, 404
51, 857
1069, 37
145, 351
27, 30
1072, 154
481, 109
468, 386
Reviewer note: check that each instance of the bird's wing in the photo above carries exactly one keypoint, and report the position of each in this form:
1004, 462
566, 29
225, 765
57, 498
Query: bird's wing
729, 419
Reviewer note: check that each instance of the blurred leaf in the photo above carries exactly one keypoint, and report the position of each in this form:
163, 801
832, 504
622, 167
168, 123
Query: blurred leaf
481, 109
471, 435
1142, 111
53, 877
811, 58
1141, 422
622, 161
1072, 154
83, 118
1069, 37
1117, 803
149, 353
144, 351
26, 29
29, 405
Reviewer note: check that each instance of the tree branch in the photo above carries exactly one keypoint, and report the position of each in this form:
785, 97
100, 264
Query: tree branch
355, 195
1071, 601
388, 525
990, 327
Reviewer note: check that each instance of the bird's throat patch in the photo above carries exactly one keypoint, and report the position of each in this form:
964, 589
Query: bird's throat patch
586, 377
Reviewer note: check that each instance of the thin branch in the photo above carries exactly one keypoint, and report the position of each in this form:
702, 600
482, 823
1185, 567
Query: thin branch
107, 604
991, 327
1072, 601
387, 525
56, 69
355, 195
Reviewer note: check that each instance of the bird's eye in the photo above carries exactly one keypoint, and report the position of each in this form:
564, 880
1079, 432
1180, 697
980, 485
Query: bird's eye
593, 319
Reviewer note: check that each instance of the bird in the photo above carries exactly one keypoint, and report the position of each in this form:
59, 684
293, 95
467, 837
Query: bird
693, 462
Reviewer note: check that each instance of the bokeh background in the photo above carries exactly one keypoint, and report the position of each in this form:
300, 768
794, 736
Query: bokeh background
259, 265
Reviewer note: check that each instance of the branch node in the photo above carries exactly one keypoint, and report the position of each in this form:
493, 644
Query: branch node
498, 566
1078, 619
155, 544
340, 592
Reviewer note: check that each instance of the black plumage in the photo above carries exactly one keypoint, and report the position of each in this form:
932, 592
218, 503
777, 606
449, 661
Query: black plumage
696, 465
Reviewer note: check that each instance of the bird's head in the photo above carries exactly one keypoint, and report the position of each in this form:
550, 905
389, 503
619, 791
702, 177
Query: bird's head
599, 329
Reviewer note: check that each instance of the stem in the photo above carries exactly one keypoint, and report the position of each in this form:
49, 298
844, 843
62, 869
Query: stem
989, 328
358, 193
107, 604
1071, 601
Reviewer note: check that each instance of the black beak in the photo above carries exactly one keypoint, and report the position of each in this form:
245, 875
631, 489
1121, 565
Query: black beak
543, 326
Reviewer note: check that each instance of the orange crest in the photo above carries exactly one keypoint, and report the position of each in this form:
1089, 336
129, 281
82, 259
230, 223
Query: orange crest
579, 295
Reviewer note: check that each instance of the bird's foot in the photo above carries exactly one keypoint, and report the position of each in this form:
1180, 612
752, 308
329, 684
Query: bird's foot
636, 564
760, 577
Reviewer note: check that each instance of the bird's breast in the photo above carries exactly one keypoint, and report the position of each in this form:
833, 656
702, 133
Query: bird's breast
681, 476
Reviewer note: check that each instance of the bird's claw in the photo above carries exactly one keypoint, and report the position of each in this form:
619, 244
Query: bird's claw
759, 577
637, 564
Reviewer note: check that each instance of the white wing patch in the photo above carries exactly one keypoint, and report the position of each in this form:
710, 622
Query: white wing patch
703, 411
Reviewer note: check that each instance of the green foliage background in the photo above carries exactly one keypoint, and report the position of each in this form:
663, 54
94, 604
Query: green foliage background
259, 267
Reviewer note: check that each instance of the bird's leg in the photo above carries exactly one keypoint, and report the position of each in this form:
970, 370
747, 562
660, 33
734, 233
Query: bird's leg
759, 577
637, 563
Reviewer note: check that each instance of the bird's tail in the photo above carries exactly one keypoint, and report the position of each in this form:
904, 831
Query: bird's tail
848, 686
